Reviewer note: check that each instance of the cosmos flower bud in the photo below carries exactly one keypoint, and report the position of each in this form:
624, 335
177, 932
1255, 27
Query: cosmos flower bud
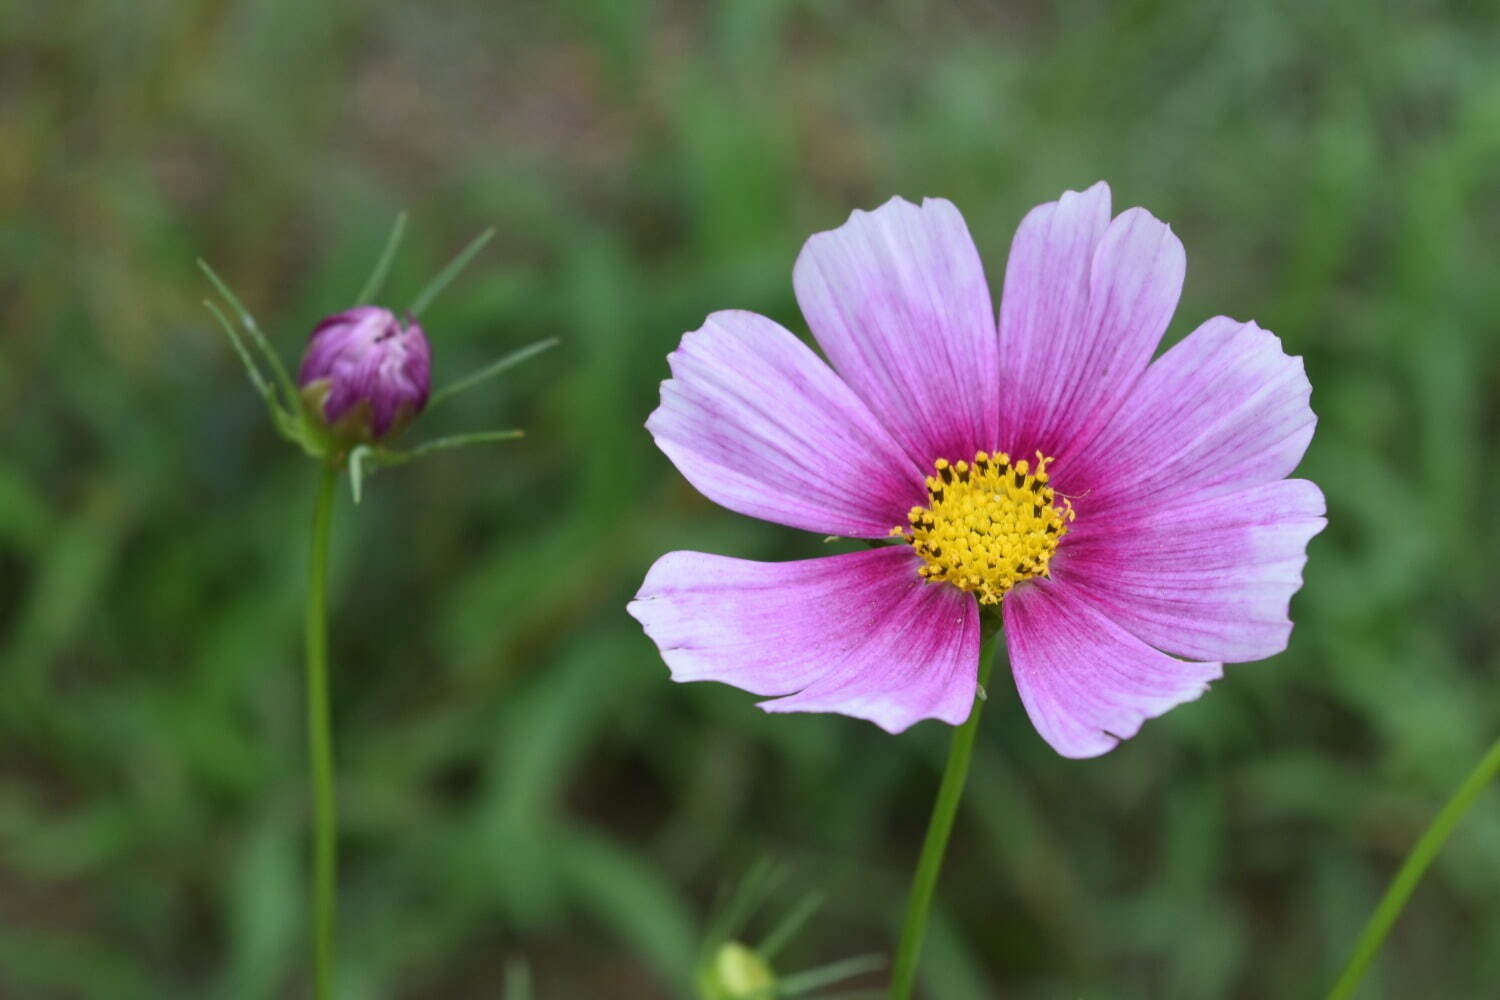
365, 374
736, 972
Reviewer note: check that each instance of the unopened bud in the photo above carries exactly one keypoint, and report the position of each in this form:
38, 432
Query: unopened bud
365, 374
736, 972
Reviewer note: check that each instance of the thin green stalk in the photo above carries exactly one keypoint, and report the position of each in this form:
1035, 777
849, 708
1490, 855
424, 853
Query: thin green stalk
320, 743
950, 791
1411, 872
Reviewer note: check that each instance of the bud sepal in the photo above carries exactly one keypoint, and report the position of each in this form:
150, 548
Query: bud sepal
730, 969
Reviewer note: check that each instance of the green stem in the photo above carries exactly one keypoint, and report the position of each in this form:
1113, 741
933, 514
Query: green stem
320, 743
924, 883
1411, 872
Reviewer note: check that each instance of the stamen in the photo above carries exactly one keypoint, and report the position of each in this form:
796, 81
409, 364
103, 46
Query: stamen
988, 524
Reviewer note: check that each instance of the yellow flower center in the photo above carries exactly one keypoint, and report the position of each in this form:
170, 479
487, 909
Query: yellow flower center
988, 524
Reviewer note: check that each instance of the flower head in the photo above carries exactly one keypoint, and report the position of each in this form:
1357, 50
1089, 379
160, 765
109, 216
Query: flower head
1129, 519
365, 373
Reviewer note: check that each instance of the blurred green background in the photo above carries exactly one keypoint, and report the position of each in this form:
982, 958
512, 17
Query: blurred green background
519, 778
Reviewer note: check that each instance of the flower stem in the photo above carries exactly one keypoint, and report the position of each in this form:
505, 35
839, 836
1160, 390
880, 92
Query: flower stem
924, 883
320, 743
1411, 872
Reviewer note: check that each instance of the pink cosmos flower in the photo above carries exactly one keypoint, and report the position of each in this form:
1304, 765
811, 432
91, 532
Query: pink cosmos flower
1131, 518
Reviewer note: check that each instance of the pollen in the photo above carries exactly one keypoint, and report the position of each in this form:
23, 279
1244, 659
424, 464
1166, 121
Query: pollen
988, 524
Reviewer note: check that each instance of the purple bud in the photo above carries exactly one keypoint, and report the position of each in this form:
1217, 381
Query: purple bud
371, 375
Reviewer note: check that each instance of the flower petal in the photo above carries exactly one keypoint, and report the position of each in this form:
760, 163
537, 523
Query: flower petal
1085, 681
1086, 303
898, 300
1209, 578
860, 634
1223, 410
758, 423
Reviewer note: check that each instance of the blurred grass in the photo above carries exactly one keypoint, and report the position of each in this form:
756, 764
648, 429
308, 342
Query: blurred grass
518, 777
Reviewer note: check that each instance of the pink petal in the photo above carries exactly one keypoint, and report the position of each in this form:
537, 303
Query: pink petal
1086, 303
1223, 410
1207, 576
759, 424
1085, 681
859, 634
898, 300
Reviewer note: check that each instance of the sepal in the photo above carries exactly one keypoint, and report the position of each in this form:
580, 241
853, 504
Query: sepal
730, 969
366, 459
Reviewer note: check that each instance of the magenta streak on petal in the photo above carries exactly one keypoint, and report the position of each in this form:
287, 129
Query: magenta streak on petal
759, 424
1045, 300
1204, 576
335, 334
1085, 306
1086, 682
898, 300
858, 634
1223, 410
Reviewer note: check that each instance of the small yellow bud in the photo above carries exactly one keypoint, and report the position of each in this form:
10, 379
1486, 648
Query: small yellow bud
736, 972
